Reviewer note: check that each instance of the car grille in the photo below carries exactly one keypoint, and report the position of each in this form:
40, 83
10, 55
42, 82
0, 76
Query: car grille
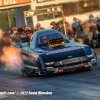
70, 61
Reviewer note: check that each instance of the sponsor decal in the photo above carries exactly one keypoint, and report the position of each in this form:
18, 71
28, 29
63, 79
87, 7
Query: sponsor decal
12, 2
64, 50
60, 70
39, 1
86, 65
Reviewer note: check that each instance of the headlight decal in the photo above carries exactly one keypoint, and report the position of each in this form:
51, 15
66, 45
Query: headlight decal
49, 63
90, 55
49, 67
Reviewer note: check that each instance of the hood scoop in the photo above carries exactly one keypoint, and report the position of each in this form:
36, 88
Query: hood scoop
56, 43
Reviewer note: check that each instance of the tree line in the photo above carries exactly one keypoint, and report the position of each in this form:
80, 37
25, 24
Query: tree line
7, 19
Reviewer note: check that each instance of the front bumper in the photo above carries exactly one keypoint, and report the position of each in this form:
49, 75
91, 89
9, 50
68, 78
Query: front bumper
68, 68
61, 69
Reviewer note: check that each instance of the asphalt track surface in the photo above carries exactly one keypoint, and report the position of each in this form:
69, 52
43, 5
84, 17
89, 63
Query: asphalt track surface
76, 85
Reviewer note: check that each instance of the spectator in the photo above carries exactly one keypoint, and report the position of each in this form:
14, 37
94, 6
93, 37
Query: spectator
98, 28
0, 41
61, 29
11, 32
53, 25
86, 25
3, 31
18, 36
56, 27
38, 27
6, 39
69, 29
76, 25
15, 36
22, 32
28, 33
92, 27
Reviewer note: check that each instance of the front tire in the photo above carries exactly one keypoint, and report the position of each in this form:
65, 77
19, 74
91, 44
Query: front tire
88, 68
29, 73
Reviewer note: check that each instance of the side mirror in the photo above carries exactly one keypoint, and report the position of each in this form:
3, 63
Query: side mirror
31, 40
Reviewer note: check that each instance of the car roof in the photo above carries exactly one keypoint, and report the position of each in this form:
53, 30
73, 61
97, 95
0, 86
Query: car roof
46, 31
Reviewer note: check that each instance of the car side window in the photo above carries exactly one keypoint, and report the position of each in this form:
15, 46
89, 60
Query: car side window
31, 39
32, 42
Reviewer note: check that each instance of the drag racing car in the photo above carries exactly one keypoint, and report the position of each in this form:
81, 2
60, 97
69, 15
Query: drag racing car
49, 51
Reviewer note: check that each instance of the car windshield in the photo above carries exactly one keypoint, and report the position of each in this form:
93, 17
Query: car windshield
44, 38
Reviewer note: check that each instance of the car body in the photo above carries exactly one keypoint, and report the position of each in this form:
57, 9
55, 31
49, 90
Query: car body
41, 58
